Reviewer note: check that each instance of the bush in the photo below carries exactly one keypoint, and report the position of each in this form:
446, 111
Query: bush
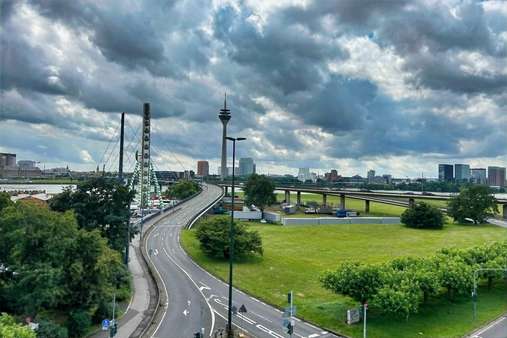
213, 235
49, 329
78, 323
423, 216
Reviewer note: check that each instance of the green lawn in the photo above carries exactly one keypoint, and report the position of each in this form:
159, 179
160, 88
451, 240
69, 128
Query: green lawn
294, 257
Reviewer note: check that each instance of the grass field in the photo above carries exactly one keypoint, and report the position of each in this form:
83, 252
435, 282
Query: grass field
294, 257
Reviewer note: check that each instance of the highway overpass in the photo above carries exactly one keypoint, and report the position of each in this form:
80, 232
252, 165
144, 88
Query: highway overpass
392, 198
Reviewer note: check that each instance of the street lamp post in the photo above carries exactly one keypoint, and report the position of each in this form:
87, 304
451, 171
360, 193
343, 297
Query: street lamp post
231, 237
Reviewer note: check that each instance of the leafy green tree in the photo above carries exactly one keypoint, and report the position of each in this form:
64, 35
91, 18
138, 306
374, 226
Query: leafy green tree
259, 191
99, 204
359, 281
421, 272
423, 216
182, 189
400, 300
10, 329
49, 329
78, 323
213, 235
5, 200
474, 202
455, 275
55, 265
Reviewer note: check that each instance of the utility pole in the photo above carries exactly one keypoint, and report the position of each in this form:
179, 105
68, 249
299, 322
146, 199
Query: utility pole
122, 136
365, 307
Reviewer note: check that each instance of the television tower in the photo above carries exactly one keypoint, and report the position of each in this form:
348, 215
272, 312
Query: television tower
224, 116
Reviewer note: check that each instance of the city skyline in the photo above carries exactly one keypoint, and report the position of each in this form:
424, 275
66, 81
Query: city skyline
324, 103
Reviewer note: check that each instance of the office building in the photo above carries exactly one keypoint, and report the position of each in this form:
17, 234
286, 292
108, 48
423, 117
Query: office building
202, 168
445, 172
304, 174
332, 176
478, 175
462, 172
7, 160
26, 164
496, 176
370, 175
246, 166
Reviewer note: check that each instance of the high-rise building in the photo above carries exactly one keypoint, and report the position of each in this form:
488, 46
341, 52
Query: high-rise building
461, 172
202, 168
496, 176
332, 176
370, 175
224, 116
478, 175
445, 172
304, 174
246, 166
7, 160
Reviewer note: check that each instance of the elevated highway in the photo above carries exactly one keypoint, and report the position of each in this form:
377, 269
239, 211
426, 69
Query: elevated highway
391, 198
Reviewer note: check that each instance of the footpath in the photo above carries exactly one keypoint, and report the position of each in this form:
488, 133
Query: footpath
135, 312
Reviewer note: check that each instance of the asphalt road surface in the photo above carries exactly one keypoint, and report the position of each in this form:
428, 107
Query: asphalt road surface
497, 329
197, 300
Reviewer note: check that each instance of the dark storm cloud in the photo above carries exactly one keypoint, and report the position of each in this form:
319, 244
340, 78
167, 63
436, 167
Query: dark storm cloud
287, 57
182, 55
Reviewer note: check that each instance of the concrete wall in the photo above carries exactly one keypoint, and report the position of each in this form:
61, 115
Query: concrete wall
272, 216
336, 220
245, 215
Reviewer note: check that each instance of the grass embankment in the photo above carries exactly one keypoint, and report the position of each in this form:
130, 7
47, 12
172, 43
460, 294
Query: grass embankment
294, 257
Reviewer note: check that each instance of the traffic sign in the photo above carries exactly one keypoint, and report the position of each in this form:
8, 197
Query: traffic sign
105, 324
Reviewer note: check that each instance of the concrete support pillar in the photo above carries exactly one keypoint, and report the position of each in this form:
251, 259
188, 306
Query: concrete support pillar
411, 202
366, 206
324, 199
287, 196
342, 201
504, 208
298, 198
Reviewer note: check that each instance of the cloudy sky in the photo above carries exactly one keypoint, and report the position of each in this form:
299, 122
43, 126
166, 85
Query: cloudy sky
397, 86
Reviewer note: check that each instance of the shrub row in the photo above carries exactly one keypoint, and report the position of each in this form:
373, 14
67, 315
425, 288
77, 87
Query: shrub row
400, 286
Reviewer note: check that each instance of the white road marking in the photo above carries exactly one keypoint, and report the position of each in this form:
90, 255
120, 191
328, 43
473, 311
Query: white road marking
313, 335
189, 302
188, 275
186, 312
204, 288
258, 315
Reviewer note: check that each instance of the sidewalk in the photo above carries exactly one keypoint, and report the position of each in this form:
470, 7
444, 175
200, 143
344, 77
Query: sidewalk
496, 221
134, 313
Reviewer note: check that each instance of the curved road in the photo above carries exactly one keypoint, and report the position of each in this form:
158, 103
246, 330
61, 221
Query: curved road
198, 300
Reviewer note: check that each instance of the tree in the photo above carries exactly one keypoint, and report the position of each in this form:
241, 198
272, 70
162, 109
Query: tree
5, 200
213, 235
182, 189
359, 281
423, 216
49, 329
101, 204
259, 191
10, 329
54, 265
455, 275
400, 300
78, 323
474, 202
